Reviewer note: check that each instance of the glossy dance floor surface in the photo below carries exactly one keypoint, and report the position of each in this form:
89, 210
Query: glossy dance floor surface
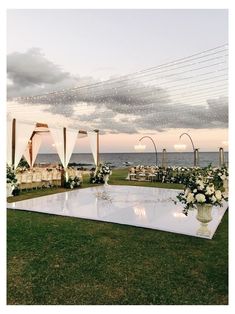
129, 205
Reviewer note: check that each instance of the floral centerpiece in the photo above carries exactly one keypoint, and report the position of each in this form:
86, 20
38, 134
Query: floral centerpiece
203, 190
101, 174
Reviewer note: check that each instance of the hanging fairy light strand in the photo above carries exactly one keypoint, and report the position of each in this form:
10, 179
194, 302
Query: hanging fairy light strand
183, 83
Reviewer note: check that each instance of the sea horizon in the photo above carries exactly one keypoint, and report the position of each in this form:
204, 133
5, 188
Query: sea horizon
144, 158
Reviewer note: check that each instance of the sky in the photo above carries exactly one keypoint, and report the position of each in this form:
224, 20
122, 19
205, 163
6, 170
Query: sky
51, 50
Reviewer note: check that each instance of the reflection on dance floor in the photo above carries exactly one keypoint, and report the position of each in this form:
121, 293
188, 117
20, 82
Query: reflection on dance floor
130, 205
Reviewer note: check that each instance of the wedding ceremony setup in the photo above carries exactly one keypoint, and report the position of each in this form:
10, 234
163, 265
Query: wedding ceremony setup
117, 164
158, 213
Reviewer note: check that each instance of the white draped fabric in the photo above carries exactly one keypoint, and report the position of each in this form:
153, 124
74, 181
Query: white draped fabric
9, 141
92, 136
71, 137
36, 143
23, 134
58, 138
27, 155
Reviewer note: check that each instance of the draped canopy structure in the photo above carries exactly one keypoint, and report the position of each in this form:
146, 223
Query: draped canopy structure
24, 139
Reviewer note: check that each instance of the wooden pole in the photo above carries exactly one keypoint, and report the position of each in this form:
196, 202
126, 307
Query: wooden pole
13, 142
31, 150
63, 171
164, 158
98, 147
221, 157
65, 146
30, 153
196, 157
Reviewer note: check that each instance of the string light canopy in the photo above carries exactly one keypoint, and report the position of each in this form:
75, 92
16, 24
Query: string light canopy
192, 85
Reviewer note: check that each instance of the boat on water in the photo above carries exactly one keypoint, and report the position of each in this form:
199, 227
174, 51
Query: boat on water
127, 163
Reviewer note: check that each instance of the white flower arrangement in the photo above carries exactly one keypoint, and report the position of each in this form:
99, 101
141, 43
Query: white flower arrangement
98, 175
72, 182
205, 189
104, 169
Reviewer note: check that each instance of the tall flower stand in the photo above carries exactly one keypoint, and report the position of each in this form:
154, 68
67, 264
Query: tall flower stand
106, 179
204, 217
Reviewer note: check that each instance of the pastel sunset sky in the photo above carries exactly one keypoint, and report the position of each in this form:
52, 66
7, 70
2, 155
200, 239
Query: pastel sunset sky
138, 72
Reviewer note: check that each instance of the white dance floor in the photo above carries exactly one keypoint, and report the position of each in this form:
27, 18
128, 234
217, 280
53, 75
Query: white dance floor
129, 205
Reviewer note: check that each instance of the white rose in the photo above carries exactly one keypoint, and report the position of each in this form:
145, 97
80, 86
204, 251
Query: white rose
213, 199
223, 177
210, 190
200, 198
195, 191
225, 194
218, 195
200, 184
187, 191
190, 198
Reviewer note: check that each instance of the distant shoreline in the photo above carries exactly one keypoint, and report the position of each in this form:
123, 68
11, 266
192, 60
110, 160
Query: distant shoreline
159, 152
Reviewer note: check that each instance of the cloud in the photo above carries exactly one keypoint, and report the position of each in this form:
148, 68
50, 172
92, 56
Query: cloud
31, 73
127, 106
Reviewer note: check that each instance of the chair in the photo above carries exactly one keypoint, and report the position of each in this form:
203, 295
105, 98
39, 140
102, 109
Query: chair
19, 179
49, 178
54, 177
23, 181
58, 176
29, 180
132, 174
37, 179
45, 181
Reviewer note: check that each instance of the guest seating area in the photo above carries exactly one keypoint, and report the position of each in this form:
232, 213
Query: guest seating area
146, 173
43, 177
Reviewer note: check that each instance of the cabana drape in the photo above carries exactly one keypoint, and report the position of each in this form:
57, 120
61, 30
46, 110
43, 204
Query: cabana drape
24, 132
92, 136
19, 134
36, 143
64, 140
9, 140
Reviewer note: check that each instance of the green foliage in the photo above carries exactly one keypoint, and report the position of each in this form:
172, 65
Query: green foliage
73, 182
23, 163
12, 180
11, 177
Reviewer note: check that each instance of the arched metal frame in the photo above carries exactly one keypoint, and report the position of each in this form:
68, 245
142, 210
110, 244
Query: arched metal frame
195, 150
155, 148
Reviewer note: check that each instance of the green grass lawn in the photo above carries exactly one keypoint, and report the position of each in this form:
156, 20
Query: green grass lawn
63, 260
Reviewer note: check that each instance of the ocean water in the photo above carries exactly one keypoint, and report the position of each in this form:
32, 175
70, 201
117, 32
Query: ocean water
118, 160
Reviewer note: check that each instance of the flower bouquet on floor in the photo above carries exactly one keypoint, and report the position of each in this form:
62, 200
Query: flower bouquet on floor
72, 182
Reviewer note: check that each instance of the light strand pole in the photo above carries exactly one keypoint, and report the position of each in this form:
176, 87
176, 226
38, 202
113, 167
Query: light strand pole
155, 148
164, 158
195, 151
221, 157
